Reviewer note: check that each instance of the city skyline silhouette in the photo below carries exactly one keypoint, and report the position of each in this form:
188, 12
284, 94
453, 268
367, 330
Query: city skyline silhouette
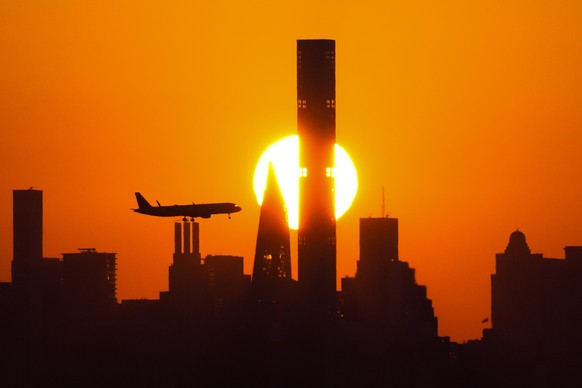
380, 329
467, 118
216, 325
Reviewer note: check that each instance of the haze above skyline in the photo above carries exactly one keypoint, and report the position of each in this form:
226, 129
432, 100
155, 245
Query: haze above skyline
468, 115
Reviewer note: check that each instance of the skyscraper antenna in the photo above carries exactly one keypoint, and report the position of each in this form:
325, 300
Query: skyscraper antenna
383, 204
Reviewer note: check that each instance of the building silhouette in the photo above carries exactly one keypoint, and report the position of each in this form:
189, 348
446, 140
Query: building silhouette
536, 315
27, 222
46, 287
316, 130
228, 286
89, 280
187, 275
36, 280
210, 287
536, 301
390, 317
378, 239
384, 299
272, 265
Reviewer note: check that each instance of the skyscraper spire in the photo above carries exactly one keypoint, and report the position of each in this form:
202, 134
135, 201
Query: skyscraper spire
272, 255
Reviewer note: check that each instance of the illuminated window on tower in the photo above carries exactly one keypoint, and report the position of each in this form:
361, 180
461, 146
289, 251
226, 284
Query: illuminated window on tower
330, 55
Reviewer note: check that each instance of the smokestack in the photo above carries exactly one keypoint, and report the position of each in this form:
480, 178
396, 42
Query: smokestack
177, 238
196, 238
187, 238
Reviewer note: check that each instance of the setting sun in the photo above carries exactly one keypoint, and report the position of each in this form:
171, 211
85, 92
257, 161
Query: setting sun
284, 155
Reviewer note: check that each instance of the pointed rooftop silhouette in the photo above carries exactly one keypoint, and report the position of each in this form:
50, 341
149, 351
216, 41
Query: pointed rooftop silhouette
272, 254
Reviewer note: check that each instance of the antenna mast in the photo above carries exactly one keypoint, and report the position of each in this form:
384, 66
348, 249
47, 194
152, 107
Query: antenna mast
383, 204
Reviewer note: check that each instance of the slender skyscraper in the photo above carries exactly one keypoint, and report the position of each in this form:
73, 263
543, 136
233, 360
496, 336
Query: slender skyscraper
27, 216
316, 129
27, 221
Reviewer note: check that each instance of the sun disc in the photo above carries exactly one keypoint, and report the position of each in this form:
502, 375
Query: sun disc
284, 156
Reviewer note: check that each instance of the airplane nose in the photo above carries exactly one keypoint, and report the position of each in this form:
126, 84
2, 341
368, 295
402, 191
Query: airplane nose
237, 208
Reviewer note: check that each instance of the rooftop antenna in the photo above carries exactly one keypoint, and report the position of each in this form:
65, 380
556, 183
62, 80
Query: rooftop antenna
383, 204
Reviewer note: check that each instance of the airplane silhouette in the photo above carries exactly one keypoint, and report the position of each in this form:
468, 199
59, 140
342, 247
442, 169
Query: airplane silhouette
204, 210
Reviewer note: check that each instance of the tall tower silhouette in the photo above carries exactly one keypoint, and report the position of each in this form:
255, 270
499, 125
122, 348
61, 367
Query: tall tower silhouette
27, 220
316, 129
272, 254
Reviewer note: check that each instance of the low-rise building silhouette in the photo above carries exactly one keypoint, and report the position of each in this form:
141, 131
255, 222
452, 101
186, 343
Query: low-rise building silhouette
536, 315
89, 280
207, 287
536, 301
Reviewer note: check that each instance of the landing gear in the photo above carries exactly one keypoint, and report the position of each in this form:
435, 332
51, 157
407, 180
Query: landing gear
184, 219
229, 216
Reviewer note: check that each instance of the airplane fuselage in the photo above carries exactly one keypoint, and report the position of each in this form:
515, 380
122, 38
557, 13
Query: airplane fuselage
204, 210
192, 211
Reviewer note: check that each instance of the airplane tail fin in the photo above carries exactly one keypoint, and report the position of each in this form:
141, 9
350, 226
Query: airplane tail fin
141, 201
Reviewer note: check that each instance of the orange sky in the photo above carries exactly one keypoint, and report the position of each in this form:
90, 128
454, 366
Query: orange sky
468, 113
